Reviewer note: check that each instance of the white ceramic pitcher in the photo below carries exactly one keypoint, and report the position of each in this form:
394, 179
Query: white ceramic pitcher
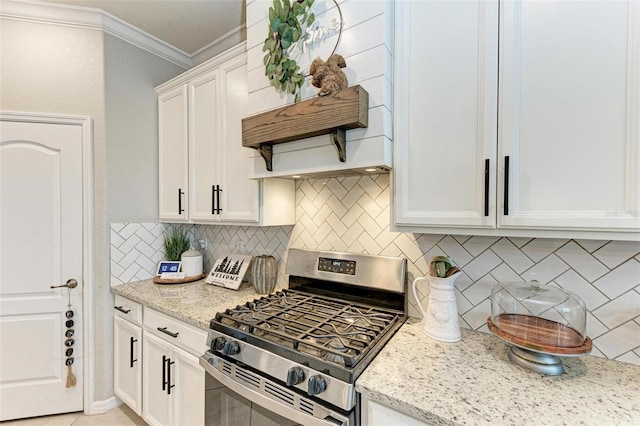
440, 321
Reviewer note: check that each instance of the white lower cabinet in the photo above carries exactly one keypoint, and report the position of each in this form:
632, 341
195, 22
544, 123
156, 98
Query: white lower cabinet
127, 381
156, 367
127, 353
375, 414
173, 384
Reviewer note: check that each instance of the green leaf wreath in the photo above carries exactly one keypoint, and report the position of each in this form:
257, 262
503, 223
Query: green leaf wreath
285, 29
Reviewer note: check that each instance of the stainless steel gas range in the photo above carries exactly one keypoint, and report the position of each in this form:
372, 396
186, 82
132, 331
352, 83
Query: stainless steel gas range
298, 352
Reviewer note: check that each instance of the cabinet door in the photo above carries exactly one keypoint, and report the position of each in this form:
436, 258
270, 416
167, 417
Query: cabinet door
445, 113
156, 407
569, 115
375, 414
240, 195
189, 393
204, 154
127, 381
173, 155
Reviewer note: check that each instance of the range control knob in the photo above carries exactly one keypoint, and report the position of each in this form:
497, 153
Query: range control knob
218, 343
231, 348
295, 375
316, 385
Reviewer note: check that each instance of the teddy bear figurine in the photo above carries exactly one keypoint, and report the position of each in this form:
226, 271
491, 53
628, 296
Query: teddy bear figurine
327, 76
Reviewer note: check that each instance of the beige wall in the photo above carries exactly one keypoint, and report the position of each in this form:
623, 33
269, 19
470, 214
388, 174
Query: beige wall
67, 70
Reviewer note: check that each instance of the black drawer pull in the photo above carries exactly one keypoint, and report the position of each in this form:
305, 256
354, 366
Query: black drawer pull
180, 194
213, 199
164, 372
486, 187
506, 186
121, 309
169, 385
165, 331
131, 360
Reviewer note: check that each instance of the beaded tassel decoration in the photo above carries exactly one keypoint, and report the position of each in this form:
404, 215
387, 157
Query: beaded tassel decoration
68, 343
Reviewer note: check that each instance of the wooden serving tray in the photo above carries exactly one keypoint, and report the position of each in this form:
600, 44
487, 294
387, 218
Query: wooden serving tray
184, 280
539, 334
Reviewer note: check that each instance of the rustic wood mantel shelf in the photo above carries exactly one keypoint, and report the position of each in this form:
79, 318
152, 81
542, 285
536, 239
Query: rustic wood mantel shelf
334, 114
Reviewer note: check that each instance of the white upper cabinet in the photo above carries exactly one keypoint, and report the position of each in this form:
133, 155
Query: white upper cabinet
530, 130
172, 151
203, 175
445, 113
569, 115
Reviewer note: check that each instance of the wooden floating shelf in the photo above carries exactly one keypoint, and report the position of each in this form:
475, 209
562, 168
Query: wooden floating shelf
322, 115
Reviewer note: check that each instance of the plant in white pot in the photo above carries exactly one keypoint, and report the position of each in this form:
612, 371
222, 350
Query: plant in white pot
175, 243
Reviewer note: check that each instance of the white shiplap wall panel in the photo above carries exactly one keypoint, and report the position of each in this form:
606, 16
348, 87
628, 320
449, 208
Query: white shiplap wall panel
365, 44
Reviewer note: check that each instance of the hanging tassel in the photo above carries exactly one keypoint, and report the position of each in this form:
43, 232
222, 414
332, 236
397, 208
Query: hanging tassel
71, 378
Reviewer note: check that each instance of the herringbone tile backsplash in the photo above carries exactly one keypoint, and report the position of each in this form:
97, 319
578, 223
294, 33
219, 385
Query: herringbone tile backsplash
352, 214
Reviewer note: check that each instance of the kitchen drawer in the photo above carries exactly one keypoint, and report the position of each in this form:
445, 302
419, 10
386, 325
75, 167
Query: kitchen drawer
187, 337
128, 309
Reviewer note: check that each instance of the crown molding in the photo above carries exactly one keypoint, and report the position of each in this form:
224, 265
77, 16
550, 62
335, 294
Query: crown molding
94, 19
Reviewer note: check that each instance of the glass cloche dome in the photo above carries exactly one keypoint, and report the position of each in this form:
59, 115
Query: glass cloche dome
541, 321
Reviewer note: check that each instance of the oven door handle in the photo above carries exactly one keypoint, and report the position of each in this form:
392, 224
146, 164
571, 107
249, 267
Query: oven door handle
264, 401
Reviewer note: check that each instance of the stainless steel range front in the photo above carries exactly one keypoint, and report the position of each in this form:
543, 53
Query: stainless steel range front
298, 352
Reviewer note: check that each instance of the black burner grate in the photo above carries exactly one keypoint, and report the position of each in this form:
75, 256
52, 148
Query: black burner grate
333, 330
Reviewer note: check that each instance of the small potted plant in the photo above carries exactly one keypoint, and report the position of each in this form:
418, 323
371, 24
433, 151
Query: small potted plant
175, 243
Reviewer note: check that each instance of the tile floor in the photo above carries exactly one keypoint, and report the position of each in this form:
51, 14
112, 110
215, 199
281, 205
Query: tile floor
119, 416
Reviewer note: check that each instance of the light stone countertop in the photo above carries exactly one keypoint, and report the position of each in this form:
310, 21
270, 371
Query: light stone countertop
473, 382
195, 303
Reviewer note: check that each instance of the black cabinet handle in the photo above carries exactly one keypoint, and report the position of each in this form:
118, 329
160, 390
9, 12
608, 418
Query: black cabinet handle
213, 199
165, 331
486, 187
121, 309
131, 360
164, 372
180, 194
218, 191
169, 385
506, 186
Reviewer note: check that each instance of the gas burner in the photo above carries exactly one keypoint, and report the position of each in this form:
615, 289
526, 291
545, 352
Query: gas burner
336, 345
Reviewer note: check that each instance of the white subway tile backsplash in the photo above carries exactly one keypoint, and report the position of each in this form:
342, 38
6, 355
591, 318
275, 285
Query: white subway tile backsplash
482, 265
511, 255
477, 244
352, 214
591, 245
595, 328
504, 274
477, 317
620, 310
629, 357
480, 290
573, 282
454, 250
519, 241
428, 241
617, 252
540, 248
547, 270
619, 340
621, 279
582, 261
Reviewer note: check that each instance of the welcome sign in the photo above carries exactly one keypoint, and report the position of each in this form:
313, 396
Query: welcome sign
229, 271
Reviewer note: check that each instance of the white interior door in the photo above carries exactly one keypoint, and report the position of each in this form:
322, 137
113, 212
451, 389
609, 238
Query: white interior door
41, 240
